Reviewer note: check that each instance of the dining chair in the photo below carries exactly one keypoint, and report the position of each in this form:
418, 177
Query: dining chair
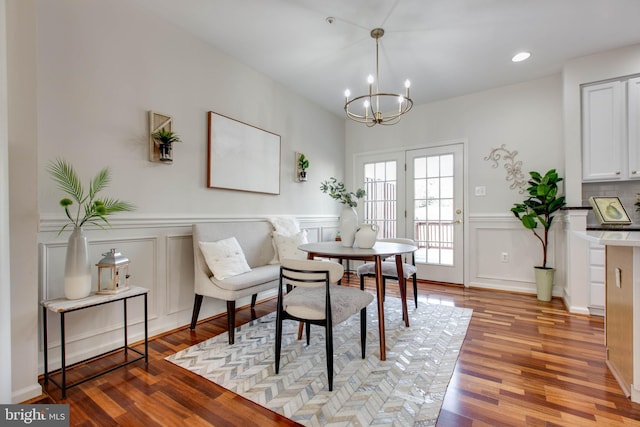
390, 271
315, 298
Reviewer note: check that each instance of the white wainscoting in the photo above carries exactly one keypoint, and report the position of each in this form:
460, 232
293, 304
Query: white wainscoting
491, 236
161, 254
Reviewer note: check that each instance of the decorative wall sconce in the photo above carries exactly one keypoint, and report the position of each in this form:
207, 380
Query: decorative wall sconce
161, 138
113, 273
302, 163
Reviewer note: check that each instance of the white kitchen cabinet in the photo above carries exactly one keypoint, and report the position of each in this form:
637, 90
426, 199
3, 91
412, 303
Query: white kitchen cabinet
603, 132
633, 109
596, 279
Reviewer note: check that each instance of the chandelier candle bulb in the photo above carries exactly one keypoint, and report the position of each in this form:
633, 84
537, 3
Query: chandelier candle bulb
380, 104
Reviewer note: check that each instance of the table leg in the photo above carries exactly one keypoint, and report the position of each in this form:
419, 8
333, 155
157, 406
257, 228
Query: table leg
46, 345
383, 344
63, 367
146, 333
126, 344
402, 282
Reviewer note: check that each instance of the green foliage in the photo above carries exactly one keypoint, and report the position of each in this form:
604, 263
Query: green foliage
303, 162
540, 206
94, 210
336, 190
164, 136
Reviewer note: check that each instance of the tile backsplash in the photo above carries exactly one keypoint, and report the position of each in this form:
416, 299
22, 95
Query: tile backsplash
627, 192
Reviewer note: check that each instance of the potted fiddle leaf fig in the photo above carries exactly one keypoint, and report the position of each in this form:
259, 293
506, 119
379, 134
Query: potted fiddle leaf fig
539, 209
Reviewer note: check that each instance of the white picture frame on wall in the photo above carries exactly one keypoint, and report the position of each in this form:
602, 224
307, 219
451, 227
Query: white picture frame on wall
242, 157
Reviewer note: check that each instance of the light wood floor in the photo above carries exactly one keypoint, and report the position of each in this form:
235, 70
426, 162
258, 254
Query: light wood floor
523, 363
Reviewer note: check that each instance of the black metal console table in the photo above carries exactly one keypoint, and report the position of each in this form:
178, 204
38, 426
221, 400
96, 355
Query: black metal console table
64, 306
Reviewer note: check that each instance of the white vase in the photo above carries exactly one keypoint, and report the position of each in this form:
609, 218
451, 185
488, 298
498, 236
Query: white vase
348, 226
366, 236
77, 270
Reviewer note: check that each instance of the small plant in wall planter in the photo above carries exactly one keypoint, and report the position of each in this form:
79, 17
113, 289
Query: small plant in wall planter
165, 139
303, 165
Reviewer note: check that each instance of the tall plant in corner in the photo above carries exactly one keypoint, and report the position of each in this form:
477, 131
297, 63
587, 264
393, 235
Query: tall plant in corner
90, 210
539, 208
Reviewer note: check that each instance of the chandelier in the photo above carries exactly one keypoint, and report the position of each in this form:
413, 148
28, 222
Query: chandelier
378, 108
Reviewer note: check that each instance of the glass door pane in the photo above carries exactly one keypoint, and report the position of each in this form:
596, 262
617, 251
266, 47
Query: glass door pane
380, 202
433, 208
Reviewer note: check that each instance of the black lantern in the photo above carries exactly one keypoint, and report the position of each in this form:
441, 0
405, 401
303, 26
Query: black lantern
113, 273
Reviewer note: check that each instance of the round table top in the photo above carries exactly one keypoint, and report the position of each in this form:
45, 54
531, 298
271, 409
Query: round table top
335, 249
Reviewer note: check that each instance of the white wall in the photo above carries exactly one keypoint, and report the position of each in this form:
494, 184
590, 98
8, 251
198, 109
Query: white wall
526, 118
23, 194
5, 259
97, 80
86, 80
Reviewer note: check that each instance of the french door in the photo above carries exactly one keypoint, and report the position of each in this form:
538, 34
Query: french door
419, 194
435, 193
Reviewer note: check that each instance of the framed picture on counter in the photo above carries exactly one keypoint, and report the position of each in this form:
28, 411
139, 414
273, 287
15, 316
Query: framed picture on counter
609, 211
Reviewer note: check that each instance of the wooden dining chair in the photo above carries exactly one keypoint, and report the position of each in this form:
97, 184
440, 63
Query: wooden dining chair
315, 298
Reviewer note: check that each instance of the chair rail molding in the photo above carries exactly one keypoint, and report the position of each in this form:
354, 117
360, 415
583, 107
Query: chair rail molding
54, 222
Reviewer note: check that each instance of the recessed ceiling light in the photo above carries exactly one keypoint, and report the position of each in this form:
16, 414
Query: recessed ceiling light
521, 56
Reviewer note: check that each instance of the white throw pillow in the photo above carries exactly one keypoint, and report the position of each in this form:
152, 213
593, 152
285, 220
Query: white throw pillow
288, 245
286, 226
224, 258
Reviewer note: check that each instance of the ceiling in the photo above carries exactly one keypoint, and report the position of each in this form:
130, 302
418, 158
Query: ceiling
445, 47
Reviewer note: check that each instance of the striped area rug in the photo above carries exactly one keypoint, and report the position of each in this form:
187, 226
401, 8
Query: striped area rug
406, 389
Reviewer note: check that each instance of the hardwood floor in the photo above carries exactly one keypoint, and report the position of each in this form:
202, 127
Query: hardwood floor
523, 363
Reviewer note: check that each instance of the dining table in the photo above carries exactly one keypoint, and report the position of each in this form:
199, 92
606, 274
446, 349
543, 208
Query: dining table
379, 252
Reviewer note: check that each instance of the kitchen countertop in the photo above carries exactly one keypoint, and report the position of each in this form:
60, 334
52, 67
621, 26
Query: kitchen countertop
598, 227
613, 237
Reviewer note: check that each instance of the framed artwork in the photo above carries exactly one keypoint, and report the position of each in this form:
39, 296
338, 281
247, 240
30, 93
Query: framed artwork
242, 157
609, 211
